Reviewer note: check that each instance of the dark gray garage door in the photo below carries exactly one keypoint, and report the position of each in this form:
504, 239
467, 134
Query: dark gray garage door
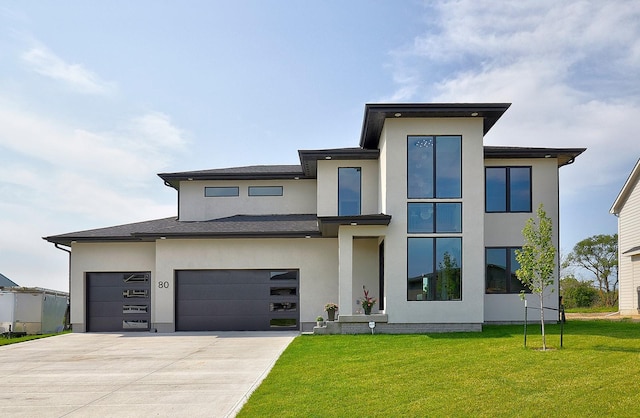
237, 300
118, 301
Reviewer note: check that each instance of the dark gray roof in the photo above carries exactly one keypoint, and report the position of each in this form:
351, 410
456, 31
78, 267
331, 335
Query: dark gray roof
252, 172
564, 155
6, 282
241, 226
376, 113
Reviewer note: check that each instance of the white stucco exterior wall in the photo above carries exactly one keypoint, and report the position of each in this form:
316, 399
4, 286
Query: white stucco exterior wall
394, 157
327, 193
298, 197
505, 230
104, 257
317, 260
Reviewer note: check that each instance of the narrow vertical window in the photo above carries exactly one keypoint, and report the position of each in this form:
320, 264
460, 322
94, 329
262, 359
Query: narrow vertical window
448, 167
349, 191
434, 167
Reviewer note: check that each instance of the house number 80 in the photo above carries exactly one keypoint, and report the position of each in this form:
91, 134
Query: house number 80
163, 285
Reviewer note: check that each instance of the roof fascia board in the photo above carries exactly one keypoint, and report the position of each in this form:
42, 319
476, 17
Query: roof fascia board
565, 156
628, 186
376, 113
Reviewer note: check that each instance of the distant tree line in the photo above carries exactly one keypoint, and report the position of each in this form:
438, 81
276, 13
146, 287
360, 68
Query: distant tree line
599, 256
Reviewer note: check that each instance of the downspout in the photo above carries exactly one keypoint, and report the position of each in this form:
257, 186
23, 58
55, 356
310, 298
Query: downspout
69, 252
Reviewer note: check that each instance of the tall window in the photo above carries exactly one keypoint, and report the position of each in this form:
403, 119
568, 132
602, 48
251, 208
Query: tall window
508, 189
434, 166
349, 191
501, 267
434, 268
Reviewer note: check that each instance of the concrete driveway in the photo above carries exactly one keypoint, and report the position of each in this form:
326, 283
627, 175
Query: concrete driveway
136, 374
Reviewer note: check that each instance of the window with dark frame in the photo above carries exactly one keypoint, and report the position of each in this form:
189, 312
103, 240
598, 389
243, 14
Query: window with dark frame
500, 271
434, 166
265, 190
349, 191
507, 189
434, 267
426, 218
221, 191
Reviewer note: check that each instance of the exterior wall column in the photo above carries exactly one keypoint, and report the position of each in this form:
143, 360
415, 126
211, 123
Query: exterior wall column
345, 272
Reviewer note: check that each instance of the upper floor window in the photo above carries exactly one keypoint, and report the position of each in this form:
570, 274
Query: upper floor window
434, 166
349, 191
425, 218
501, 267
508, 189
221, 191
265, 190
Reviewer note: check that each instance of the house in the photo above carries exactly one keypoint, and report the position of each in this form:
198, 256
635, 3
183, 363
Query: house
421, 214
627, 208
6, 282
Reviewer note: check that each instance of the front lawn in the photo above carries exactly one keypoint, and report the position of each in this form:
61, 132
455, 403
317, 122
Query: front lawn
597, 373
13, 340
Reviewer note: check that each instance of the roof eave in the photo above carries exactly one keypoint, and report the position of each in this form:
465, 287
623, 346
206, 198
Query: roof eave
565, 156
626, 189
376, 113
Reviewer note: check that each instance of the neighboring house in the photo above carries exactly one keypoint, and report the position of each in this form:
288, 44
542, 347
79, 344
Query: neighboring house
421, 213
6, 282
627, 208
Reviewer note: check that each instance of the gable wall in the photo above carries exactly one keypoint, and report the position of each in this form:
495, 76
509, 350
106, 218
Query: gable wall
629, 237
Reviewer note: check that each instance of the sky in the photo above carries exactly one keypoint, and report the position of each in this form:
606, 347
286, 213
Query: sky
96, 98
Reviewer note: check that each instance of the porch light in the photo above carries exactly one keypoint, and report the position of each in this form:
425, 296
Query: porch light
354, 223
397, 115
474, 114
328, 157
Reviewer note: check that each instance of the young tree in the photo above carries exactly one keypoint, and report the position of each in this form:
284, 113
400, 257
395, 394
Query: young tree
537, 259
599, 255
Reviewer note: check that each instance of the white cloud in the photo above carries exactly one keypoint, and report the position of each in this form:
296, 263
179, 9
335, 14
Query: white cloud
45, 62
569, 68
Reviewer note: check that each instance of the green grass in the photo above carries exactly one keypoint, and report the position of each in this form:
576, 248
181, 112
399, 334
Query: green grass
14, 340
595, 309
596, 374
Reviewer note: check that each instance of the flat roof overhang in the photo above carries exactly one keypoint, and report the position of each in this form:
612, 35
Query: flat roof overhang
565, 156
309, 158
329, 225
376, 113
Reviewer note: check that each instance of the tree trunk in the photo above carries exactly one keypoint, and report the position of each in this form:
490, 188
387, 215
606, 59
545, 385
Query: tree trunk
544, 338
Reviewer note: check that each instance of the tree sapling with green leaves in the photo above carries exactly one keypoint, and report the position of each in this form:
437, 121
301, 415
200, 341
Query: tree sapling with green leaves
537, 259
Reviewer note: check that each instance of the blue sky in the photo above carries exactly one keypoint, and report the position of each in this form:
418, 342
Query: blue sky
96, 98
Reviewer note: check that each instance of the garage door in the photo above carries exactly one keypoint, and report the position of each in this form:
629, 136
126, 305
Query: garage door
118, 301
237, 300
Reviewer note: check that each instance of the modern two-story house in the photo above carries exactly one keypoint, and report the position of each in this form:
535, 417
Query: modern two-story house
421, 213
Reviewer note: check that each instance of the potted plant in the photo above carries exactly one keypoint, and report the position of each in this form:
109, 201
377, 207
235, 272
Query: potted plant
367, 301
319, 320
331, 309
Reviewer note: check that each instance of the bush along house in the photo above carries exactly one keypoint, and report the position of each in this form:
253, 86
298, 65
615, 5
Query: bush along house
421, 214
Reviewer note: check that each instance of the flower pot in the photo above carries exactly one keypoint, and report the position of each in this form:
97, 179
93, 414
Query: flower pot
331, 315
319, 323
367, 309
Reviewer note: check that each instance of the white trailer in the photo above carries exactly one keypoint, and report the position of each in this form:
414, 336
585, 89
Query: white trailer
32, 310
